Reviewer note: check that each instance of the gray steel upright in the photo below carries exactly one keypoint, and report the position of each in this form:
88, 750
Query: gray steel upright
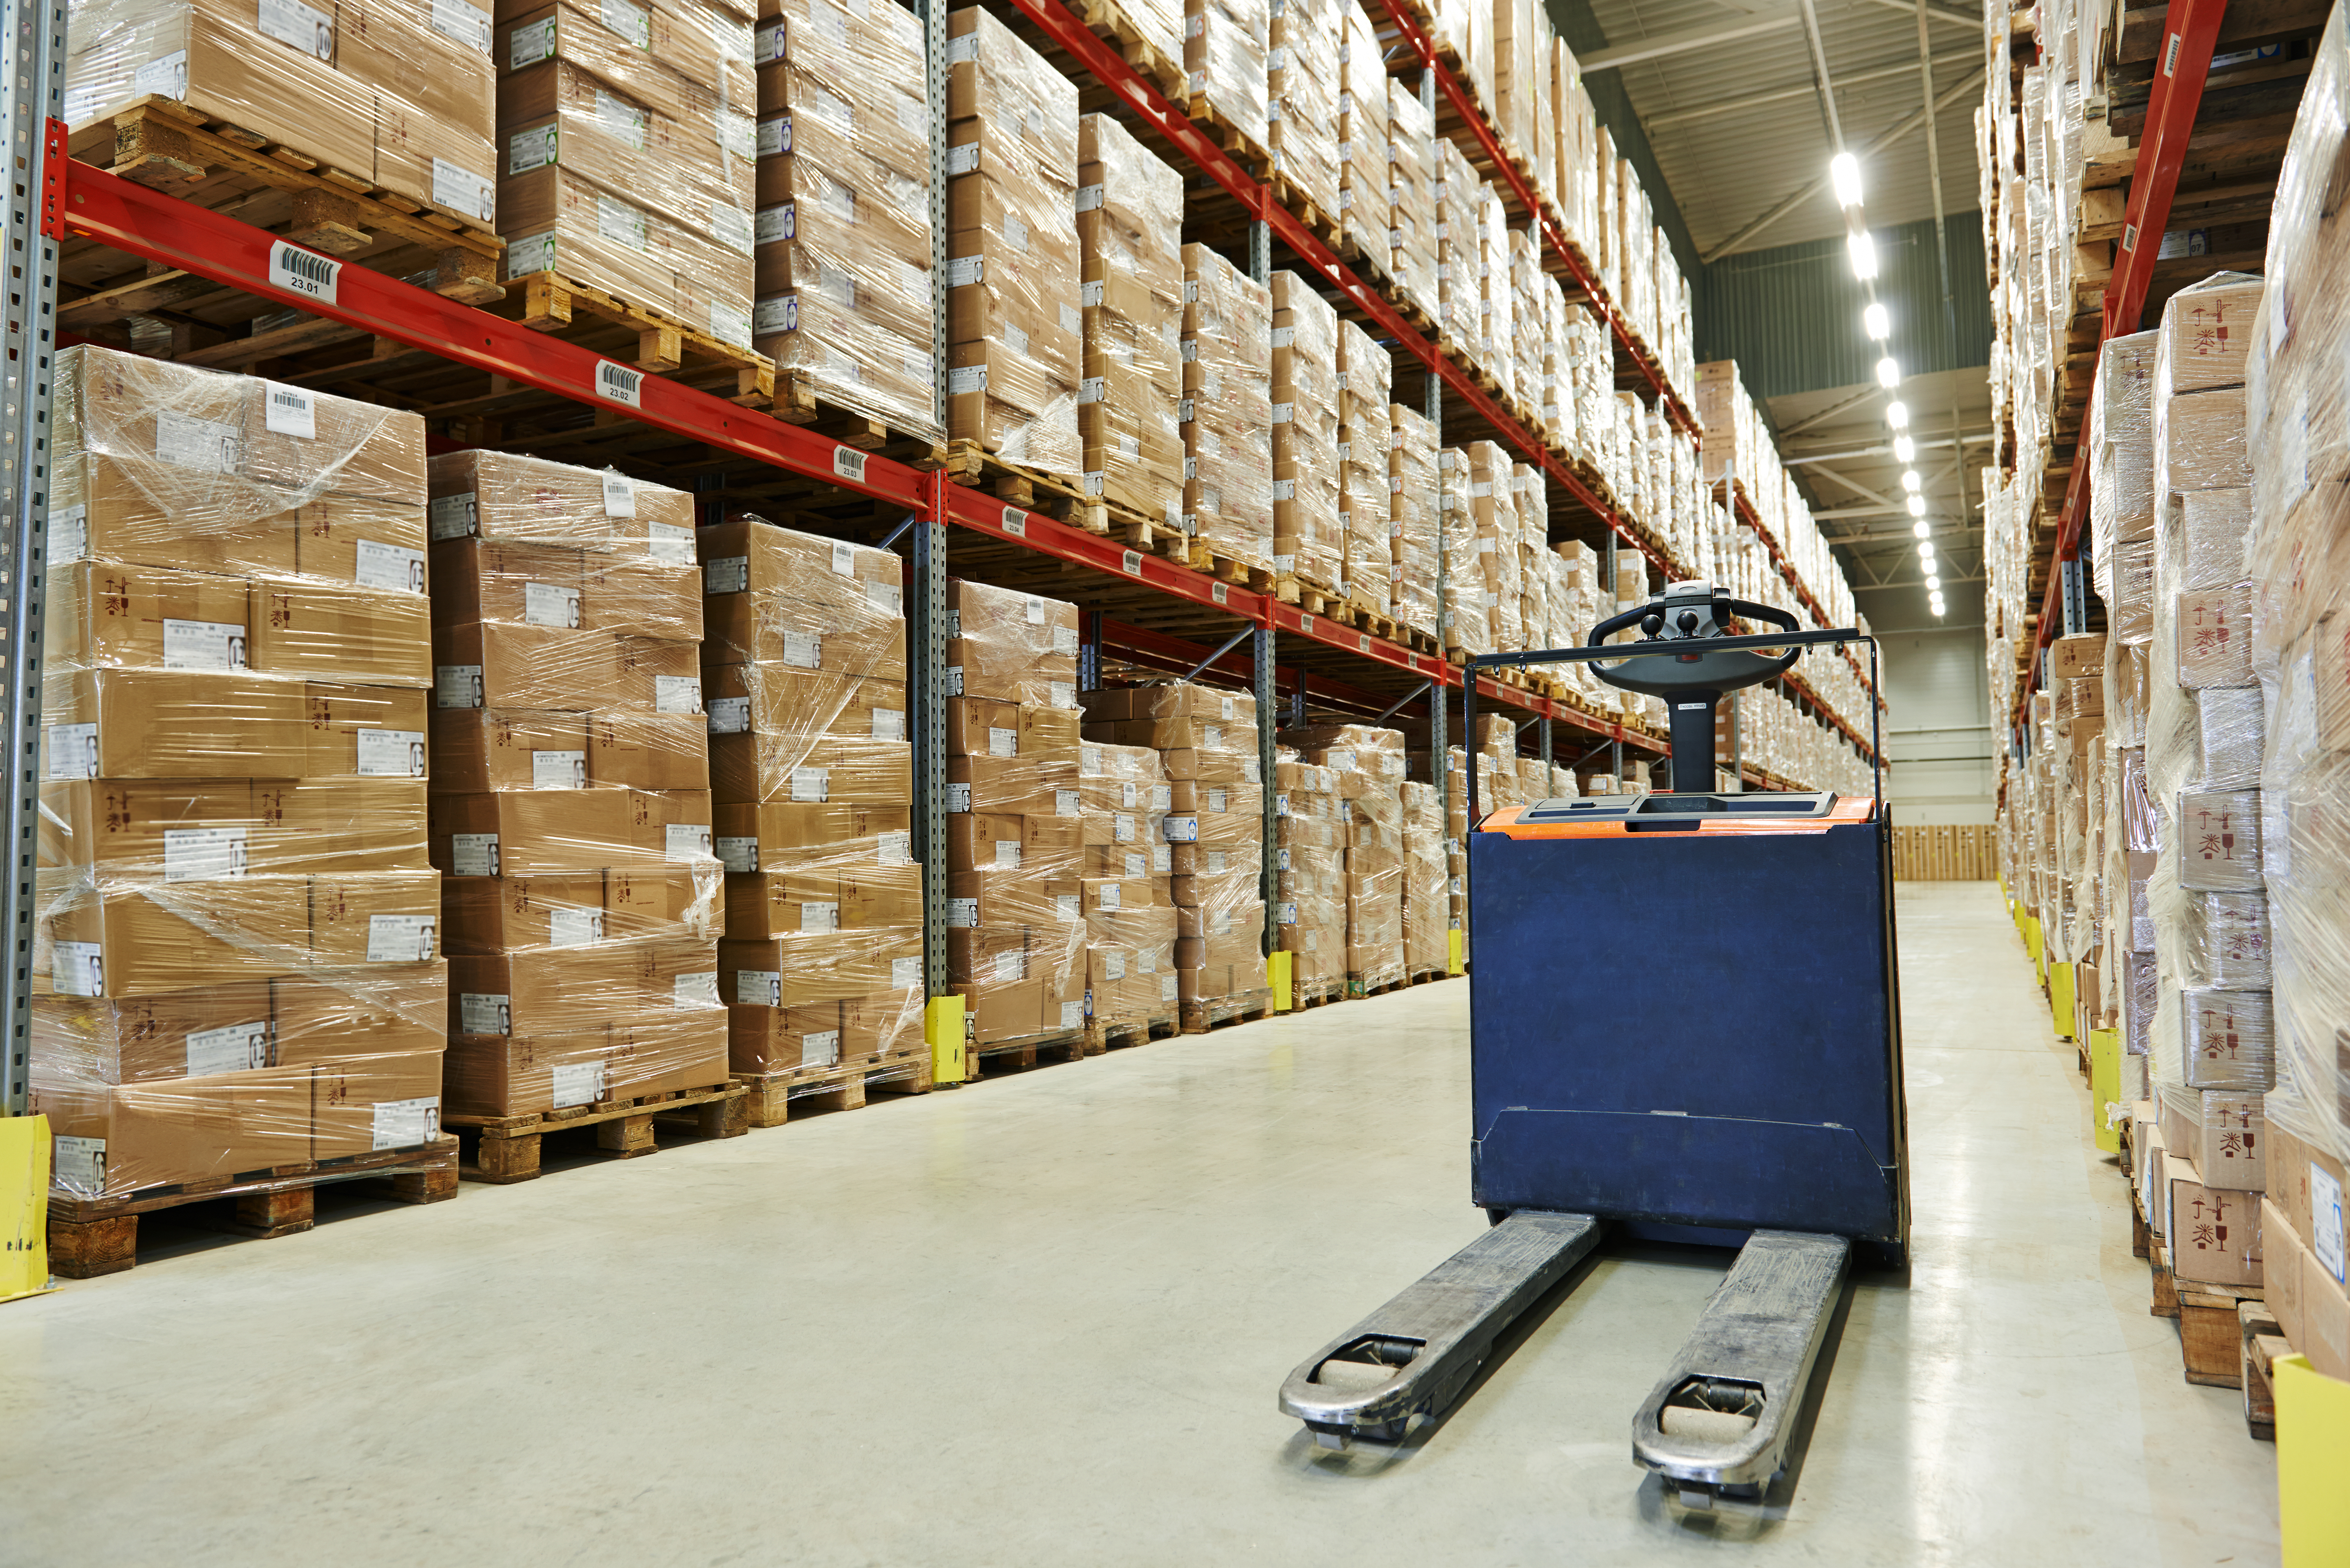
926, 609
1432, 404
33, 94
1262, 682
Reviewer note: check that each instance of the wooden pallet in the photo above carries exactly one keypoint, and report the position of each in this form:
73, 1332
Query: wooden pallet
1317, 993
1109, 22
1201, 556
94, 1236
801, 400
1321, 221
163, 143
1215, 1012
1361, 986
1424, 976
1029, 1051
2210, 1333
507, 1148
1115, 1034
1244, 149
2262, 1341
777, 1097
2165, 1289
1033, 490
549, 302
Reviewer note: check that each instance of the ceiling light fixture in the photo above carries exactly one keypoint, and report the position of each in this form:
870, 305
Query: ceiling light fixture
1896, 414
1876, 323
1863, 251
1934, 584
1903, 448
1923, 529
1909, 481
1888, 372
1917, 506
1844, 170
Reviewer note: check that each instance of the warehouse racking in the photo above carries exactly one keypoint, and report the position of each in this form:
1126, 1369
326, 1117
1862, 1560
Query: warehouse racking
612, 388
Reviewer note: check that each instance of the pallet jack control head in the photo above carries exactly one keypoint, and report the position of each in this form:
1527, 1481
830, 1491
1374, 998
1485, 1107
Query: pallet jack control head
1693, 683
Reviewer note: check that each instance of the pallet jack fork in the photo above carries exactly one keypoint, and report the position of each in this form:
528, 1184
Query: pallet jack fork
1788, 1130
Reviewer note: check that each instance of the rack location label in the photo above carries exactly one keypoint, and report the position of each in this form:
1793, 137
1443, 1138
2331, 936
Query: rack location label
306, 273
620, 384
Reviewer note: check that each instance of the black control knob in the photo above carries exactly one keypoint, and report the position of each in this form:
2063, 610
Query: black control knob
1689, 623
1651, 624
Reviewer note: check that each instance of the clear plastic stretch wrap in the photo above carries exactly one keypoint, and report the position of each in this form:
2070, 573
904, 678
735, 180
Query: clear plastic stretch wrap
1227, 408
1415, 513
1018, 893
842, 243
1493, 501
805, 674
571, 807
1466, 626
1130, 221
1014, 317
1362, 133
1366, 764
1226, 44
1310, 872
2299, 441
1413, 152
1307, 540
1205, 740
1366, 441
1302, 101
236, 942
1460, 207
2121, 473
399, 95
1130, 917
1426, 917
659, 97
1496, 318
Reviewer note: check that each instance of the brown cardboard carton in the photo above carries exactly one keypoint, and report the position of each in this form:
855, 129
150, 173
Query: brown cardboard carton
478, 580
103, 613
648, 751
2231, 1142
668, 827
675, 901
2215, 1234
792, 971
491, 914
378, 1098
502, 664
886, 1024
2284, 1262
138, 940
826, 768
198, 1032
519, 833
170, 723
509, 749
342, 825
782, 837
763, 1039
327, 1016
785, 705
539, 991
328, 631
364, 731
374, 918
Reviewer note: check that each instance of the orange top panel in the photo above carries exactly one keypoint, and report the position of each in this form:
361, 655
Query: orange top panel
1846, 810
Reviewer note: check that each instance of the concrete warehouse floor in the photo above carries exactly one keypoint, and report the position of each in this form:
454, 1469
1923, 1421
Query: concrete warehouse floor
1042, 1319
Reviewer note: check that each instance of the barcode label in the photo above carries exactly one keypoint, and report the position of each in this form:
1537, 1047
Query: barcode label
306, 273
620, 384
848, 463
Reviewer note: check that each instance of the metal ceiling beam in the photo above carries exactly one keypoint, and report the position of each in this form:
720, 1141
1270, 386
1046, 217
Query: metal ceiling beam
1688, 38
1844, 84
1907, 126
1934, 14
1821, 80
1971, 438
1839, 406
1858, 489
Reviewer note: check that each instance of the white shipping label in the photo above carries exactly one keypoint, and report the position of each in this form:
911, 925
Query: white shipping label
1106, 895
620, 224
758, 988
958, 797
667, 543
559, 769
1064, 639
1063, 693
1215, 861
570, 927
727, 575
1073, 1015
392, 568
454, 516
1137, 864
894, 848
1113, 964
79, 1166
731, 227
811, 784
803, 650
888, 723
818, 918
1126, 789
1166, 986
1218, 799
306, 273
546, 604
462, 190
485, 1013
233, 1048
473, 853
578, 1084
1066, 905
1162, 861
820, 1048
400, 938
291, 22
468, 25
1181, 829
676, 693
698, 990
1002, 742
2326, 1218
76, 969
632, 21
166, 75
203, 854
684, 842
205, 444
621, 495
963, 912
529, 45
73, 750
1007, 855
69, 535
404, 1124
739, 853
391, 754
1011, 966
965, 272
888, 597
905, 973
1066, 804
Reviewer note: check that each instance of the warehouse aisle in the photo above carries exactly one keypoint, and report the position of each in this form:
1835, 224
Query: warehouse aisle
1042, 1319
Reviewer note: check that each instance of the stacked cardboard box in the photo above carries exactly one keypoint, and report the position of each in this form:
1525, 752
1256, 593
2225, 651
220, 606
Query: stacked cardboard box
1017, 891
1497, 331
1366, 442
842, 240
1205, 739
1304, 80
570, 810
1412, 175
1363, 135
1460, 207
1493, 501
1530, 490
236, 965
1225, 43
1367, 764
1309, 540
1015, 320
1310, 873
1467, 625
1131, 918
396, 95
1227, 410
803, 668
628, 156
1426, 913
1130, 223
1415, 513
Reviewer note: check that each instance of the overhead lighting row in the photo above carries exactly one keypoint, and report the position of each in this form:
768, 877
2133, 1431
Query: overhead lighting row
1843, 173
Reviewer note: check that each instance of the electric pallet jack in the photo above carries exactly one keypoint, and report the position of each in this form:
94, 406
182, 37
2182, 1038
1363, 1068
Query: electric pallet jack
1765, 1109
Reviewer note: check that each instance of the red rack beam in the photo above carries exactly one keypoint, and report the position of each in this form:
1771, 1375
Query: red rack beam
2190, 30
1423, 49
1058, 24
